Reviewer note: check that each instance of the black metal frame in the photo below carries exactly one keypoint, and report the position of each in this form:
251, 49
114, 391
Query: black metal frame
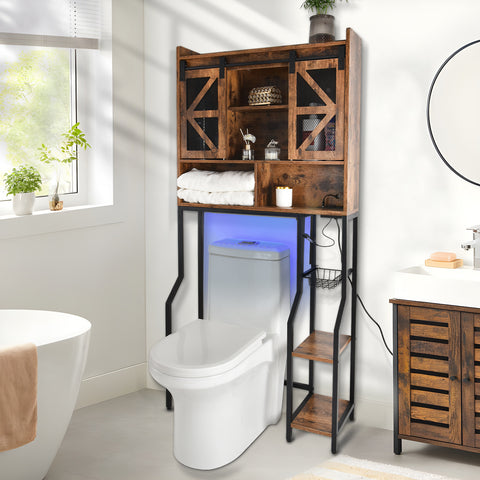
397, 441
337, 424
300, 275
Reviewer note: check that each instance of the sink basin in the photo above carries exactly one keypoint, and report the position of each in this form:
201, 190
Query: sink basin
456, 286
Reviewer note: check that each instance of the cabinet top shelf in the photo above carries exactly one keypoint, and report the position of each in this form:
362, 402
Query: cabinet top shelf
276, 53
256, 108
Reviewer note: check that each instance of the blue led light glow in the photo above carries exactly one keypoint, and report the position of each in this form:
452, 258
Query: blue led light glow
254, 227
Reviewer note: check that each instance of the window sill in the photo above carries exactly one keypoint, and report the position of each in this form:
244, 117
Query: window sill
70, 218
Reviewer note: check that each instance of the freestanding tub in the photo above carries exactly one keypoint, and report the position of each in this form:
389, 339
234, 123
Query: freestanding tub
62, 344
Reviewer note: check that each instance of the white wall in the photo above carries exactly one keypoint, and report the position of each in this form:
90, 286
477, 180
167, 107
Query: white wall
98, 272
411, 203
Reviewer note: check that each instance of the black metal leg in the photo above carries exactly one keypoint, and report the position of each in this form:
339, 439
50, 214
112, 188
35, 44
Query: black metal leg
291, 318
313, 298
336, 337
173, 292
397, 442
201, 260
353, 330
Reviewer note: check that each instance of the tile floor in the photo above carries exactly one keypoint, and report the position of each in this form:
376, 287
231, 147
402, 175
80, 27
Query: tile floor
130, 438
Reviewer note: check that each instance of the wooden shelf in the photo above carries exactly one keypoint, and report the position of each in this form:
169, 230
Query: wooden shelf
269, 162
316, 415
318, 346
256, 108
328, 212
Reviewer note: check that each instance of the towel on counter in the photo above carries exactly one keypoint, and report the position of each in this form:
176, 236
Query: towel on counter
18, 395
208, 181
216, 198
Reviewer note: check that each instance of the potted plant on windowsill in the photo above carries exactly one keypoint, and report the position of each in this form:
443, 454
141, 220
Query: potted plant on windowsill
64, 153
22, 183
321, 24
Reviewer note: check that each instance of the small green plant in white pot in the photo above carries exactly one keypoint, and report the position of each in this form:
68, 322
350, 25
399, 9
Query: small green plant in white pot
62, 154
322, 27
22, 183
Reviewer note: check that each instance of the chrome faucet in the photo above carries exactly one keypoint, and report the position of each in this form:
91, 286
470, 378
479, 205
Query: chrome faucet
475, 244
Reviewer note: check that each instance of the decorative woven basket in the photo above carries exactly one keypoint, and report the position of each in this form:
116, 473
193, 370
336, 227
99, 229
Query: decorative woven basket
265, 96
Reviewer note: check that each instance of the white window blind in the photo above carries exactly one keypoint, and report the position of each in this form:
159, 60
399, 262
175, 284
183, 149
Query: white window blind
53, 23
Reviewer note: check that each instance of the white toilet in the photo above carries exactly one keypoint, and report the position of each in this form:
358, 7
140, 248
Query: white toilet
226, 373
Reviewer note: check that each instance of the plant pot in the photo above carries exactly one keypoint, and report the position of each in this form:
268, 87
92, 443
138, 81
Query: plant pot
322, 28
22, 203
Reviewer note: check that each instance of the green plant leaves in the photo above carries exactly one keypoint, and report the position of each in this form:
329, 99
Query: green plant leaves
23, 179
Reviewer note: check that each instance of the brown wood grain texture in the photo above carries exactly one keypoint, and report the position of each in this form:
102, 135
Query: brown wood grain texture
429, 331
429, 364
430, 432
430, 415
318, 346
469, 404
455, 377
430, 348
316, 416
430, 315
404, 369
429, 381
430, 398
456, 308
353, 86
267, 122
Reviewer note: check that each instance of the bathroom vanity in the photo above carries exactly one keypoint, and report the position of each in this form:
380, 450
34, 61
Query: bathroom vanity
436, 374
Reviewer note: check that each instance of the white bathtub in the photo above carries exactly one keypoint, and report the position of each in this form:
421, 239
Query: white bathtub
62, 343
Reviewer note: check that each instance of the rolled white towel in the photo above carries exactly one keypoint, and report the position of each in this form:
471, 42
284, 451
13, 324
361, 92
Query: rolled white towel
208, 181
216, 198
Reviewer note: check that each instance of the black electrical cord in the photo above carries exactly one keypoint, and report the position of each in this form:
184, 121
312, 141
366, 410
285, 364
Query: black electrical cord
309, 238
350, 280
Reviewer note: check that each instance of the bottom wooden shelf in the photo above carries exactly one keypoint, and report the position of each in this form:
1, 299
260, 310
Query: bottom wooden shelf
316, 415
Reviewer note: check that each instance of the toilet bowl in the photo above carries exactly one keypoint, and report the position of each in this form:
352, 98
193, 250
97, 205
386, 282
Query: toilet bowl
226, 376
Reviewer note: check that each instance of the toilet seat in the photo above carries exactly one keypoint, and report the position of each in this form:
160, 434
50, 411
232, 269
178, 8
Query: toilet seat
204, 348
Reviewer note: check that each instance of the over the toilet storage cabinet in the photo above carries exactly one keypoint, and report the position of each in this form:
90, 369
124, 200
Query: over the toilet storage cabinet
437, 374
317, 81
321, 164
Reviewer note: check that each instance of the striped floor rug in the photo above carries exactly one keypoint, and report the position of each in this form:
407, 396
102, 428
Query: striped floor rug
343, 467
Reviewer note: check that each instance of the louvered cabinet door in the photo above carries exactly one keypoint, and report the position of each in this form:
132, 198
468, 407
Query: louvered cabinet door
471, 379
430, 374
202, 114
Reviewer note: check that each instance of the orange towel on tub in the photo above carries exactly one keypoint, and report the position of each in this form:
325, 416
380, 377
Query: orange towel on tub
18, 395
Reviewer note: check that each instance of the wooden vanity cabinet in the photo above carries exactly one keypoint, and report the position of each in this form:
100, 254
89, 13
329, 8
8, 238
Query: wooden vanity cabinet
436, 374
316, 124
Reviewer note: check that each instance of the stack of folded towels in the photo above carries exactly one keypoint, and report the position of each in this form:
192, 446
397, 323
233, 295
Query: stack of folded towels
217, 188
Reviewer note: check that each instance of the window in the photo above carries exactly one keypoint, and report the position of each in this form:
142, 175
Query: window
37, 105
51, 74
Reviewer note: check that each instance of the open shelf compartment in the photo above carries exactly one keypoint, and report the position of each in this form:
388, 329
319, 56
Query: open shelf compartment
318, 346
316, 415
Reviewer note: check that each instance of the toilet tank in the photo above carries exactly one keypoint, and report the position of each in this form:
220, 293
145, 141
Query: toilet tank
249, 284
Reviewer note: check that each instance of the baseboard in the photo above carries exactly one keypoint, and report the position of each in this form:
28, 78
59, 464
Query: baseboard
113, 384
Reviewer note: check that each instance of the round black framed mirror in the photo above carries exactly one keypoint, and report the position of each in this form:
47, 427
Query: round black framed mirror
453, 112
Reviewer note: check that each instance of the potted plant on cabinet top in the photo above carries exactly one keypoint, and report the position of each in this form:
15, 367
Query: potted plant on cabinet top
65, 153
22, 183
321, 24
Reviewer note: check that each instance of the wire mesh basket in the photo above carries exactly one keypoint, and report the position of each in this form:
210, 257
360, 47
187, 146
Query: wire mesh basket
324, 277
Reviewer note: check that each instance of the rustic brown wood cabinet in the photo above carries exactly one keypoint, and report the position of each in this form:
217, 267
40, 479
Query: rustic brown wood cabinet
437, 374
316, 124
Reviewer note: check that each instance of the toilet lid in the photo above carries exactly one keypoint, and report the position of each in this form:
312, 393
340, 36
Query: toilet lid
204, 348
